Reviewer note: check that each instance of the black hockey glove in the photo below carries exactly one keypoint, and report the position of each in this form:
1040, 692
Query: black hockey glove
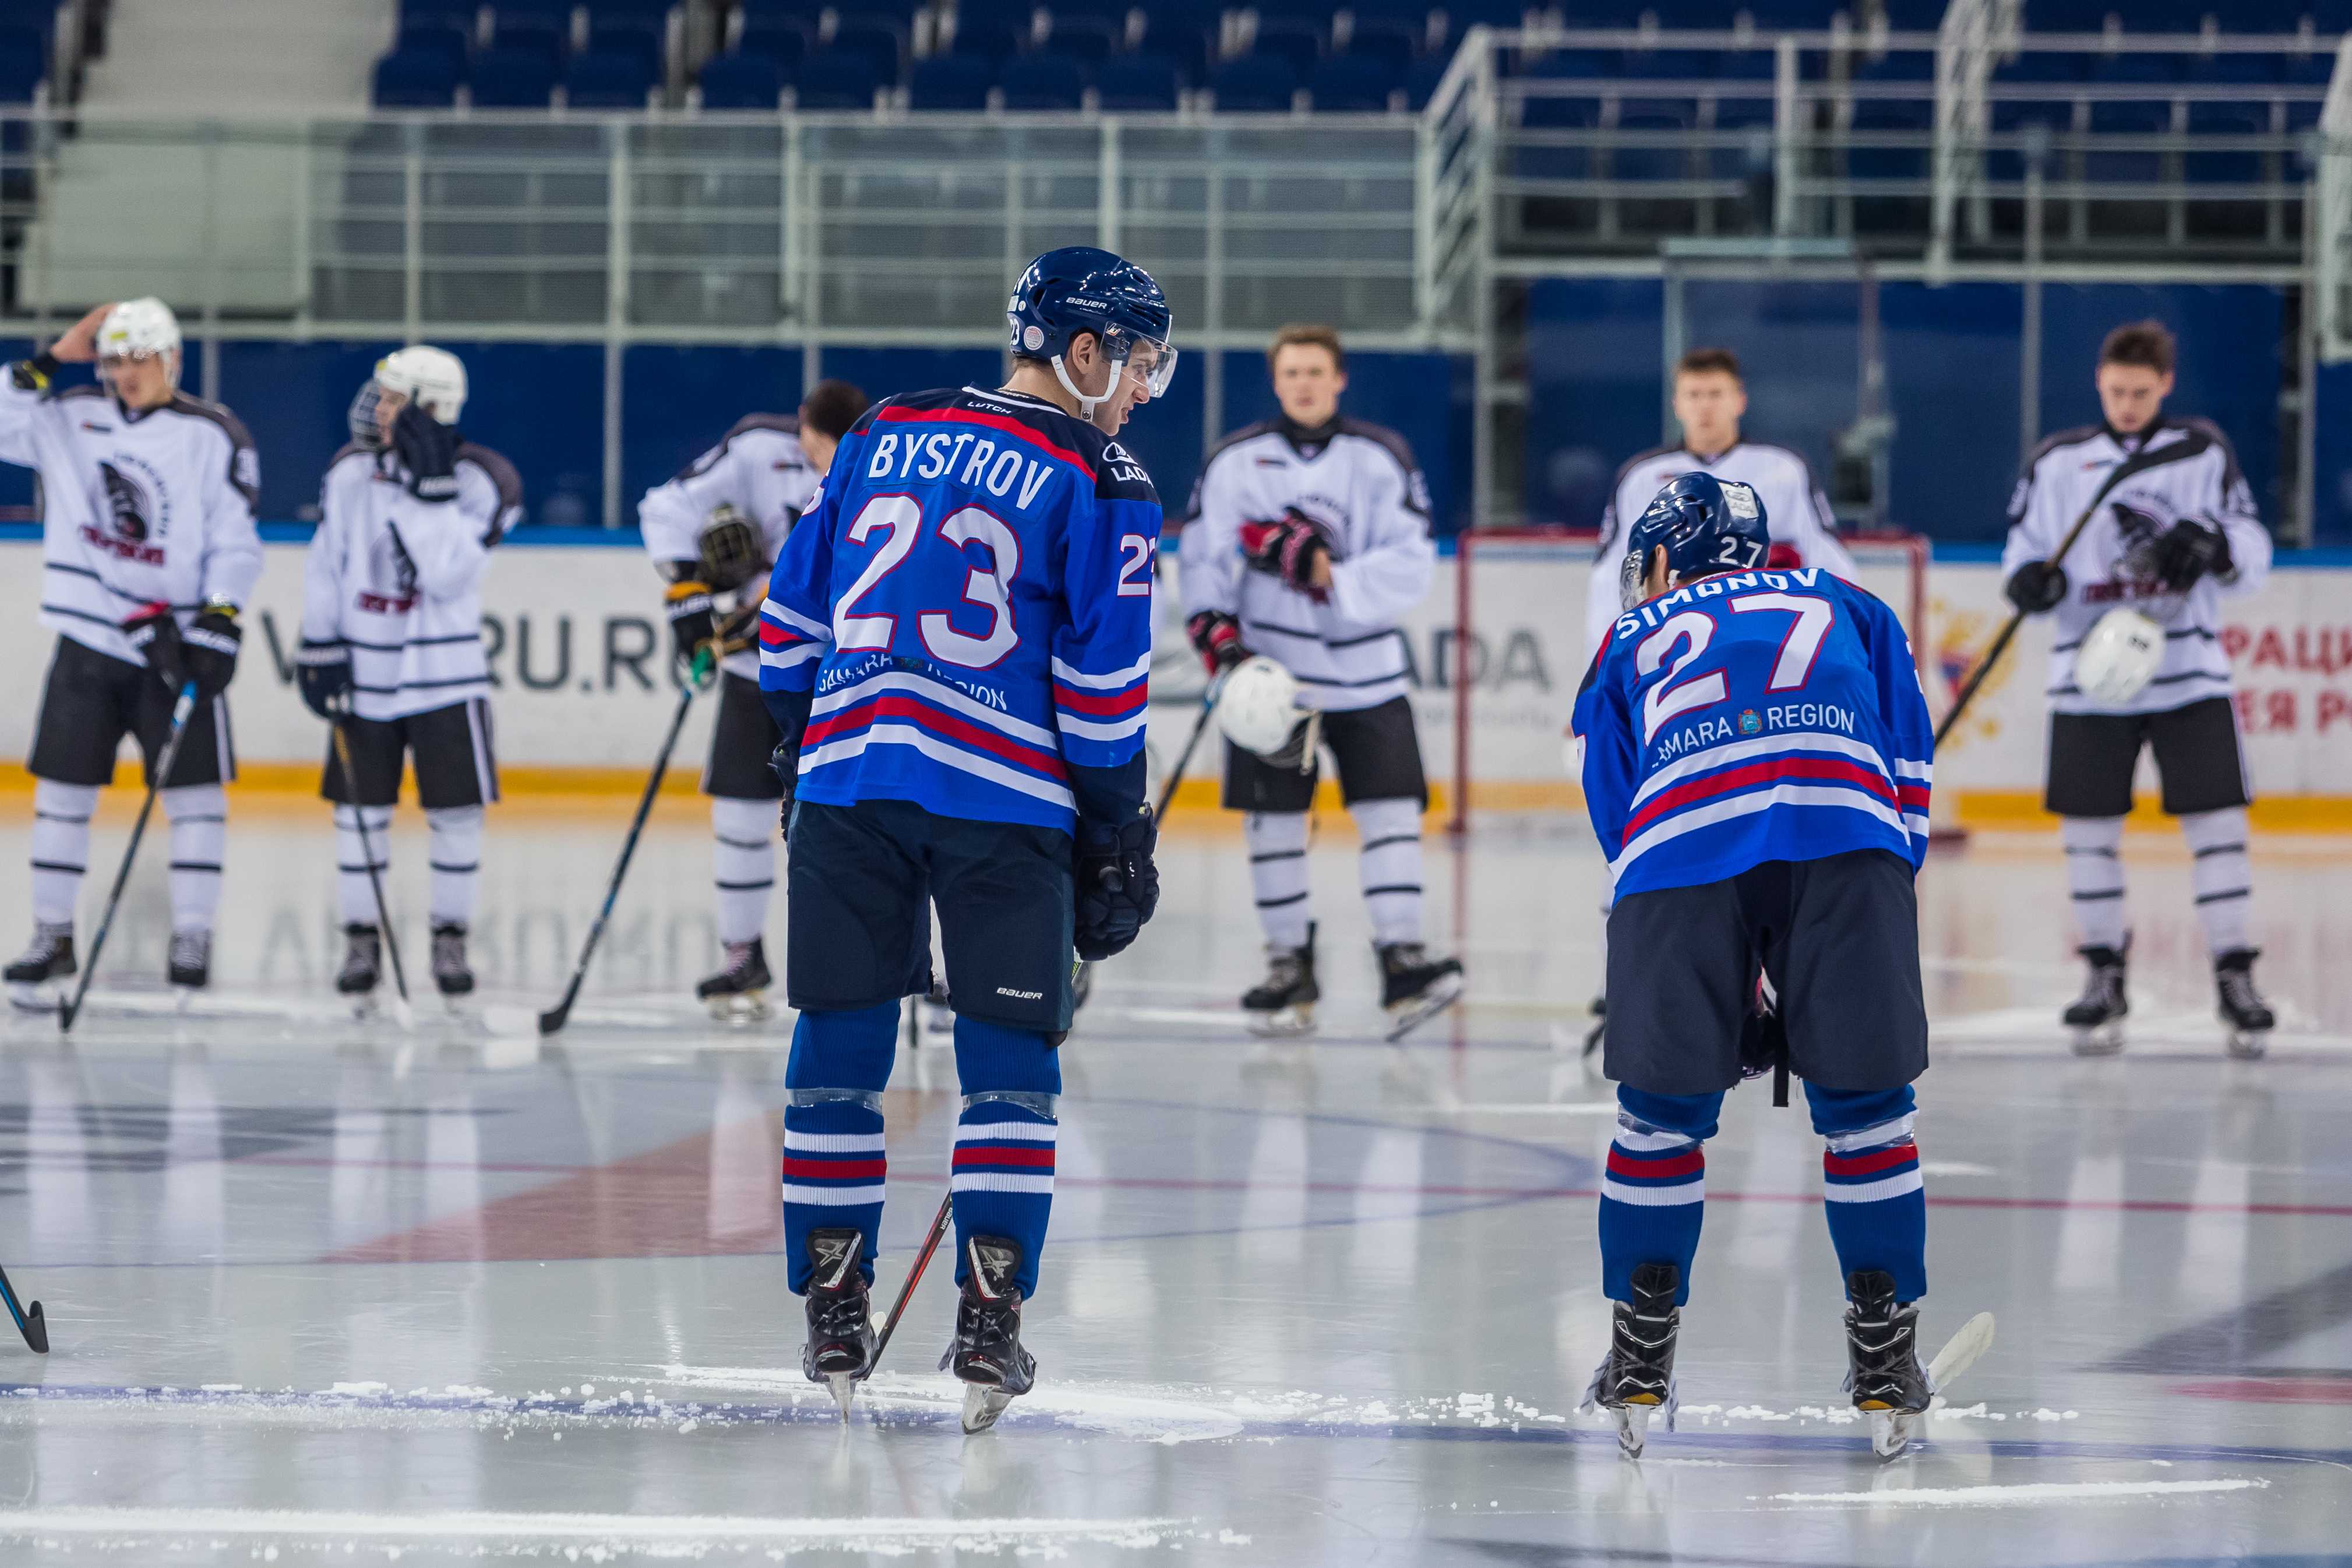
323, 672
2190, 549
785, 763
1217, 638
692, 618
2036, 586
208, 649
1288, 549
428, 450
153, 634
1118, 884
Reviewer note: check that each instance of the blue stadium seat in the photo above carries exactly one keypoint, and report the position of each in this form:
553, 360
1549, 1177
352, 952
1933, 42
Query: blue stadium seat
1421, 82
437, 38
608, 79
506, 78
2127, 117
1298, 37
413, 78
1809, 14
1137, 84
2070, 15
2301, 116
783, 40
1748, 64
951, 82
2135, 66
1575, 64
629, 33
2008, 119
739, 81
532, 32
1881, 161
1670, 64
1092, 30
1897, 65
1255, 84
991, 30
2230, 167
463, 14
836, 79
1670, 161
1043, 79
1557, 114
2041, 65
882, 42
1351, 84
2235, 70
2312, 69
1180, 30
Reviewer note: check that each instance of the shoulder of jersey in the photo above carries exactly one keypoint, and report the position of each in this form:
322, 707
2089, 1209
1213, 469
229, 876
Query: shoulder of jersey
498, 470
79, 394
2198, 425
349, 452
1247, 433
216, 414
784, 427
1117, 474
1625, 469
1794, 459
2059, 439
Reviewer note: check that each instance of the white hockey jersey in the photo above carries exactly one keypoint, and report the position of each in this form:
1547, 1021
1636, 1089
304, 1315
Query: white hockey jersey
399, 581
1795, 510
759, 469
1360, 486
136, 508
2108, 565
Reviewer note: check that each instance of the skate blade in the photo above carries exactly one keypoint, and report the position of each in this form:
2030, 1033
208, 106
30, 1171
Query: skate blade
1283, 1023
1891, 1431
41, 998
2245, 1046
844, 1390
2107, 1039
982, 1404
743, 1007
1406, 1017
363, 1004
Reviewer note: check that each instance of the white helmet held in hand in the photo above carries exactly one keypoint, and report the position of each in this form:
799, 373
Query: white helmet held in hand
2119, 655
138, 329
432, 378
1257, 707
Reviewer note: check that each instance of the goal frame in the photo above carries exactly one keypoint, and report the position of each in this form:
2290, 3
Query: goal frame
1913, 550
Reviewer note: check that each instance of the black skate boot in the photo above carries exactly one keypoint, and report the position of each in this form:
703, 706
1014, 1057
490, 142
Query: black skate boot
840, 1349
1284, 1002
1636, 1379
739, 992
450, 970
2096, 1016
1415, 987
362, 969
2248, 1017
1884, 1374
37, 979
190, 965
987, 1353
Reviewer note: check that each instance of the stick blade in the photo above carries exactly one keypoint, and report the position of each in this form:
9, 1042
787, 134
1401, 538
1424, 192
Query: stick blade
552, 1021
1961, 1352
36, 1329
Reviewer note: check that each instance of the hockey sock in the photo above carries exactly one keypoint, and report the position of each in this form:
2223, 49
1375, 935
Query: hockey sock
455, 852
1871, 1184
199, 817
60, 847
833, 1165
1277, 853
742, 865
2095, 878
2222, 875
353, 890
1655, 1193
1003, 1180
1389, 863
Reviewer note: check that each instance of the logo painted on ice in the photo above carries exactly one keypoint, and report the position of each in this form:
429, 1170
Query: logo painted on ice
1750, 723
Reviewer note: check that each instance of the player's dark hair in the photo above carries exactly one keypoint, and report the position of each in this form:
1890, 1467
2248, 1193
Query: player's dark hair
831, 407
1310, 335
1710, 361
2147, 344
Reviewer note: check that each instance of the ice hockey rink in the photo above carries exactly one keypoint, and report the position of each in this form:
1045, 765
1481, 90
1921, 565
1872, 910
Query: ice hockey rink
322, 1290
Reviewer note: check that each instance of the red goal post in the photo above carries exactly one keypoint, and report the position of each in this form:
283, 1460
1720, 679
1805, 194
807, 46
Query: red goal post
1515, 586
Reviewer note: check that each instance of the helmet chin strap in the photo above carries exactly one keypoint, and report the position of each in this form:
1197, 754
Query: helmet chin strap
1086, 405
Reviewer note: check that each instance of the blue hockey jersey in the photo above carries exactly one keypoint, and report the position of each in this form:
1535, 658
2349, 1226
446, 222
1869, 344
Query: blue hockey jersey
1753, 717
970, 599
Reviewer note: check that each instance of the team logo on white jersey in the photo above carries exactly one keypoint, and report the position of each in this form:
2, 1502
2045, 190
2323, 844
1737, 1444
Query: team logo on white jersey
137, 512
391, 585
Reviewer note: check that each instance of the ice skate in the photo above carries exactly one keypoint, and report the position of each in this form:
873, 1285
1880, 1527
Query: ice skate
1884, 1374
190, 964
1635, 1381
840, 1348
2242, 1008
37, 979
450, 970
1284, 1002
2096, 1016
738, 993
937, 1016
987, 1353
362, 969
1415, 987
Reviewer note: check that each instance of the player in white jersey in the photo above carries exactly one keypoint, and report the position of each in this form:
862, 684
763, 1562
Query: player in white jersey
713, 532
1710, 400
1307, 543
2145, 577
149, 552
391, 646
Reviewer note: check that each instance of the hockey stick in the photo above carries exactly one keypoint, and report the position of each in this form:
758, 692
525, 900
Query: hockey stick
907, 1291
29, 1322
1083, 982
2188, 445
553, 1020
402, 1011
181, 712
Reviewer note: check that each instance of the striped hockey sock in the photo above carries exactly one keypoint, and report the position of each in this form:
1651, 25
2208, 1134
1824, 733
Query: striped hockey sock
835, 1169
1876, 1198
1003, 1180
1654, 1194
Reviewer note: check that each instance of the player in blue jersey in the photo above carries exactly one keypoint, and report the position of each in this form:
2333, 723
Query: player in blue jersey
1756, 761
955, 646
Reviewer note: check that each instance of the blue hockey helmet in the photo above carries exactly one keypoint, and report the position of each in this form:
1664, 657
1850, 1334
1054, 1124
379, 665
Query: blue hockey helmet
1079, 289
1705, 525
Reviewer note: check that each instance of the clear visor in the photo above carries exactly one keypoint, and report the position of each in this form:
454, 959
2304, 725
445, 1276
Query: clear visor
1149, 360
1632, 581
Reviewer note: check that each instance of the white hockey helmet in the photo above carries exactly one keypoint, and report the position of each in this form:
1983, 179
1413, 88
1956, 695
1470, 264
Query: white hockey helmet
432, 378
2119, 655
1257, 707
138, 329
